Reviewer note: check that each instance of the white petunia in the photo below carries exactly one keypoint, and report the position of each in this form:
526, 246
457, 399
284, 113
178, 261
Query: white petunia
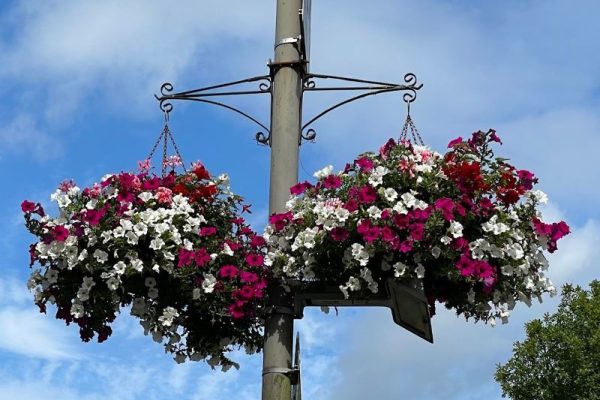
100, 256
374, 212
420, 271
409, 199
157, 244
168, 315
145, 196
390, 194
153, 293
112, 283
208, 285
436, 251
399, 269
456, 229
77, 310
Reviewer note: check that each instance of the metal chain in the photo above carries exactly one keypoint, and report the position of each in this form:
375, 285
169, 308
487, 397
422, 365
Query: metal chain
410, 125
164, 155
166, 136
176, 150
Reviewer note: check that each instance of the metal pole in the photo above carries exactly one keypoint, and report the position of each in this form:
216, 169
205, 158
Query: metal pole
285, 135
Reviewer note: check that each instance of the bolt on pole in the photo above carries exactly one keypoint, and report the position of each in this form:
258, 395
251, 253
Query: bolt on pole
287, 72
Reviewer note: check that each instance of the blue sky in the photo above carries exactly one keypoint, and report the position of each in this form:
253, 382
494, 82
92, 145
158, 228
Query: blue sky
77, 80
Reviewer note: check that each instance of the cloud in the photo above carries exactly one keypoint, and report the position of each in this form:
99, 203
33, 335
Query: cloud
23, 135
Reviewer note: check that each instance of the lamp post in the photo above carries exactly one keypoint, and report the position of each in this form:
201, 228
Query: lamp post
286, 116
287, 81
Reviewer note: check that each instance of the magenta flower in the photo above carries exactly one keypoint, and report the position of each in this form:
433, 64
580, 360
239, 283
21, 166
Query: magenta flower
248, 277
363, 226
494, 137
60, 233
185, 257
246, 293
300, 188
254, 260
406, 246
365, 164
454, 142
465, 265
151, 184
339, 234
351, 205
332, 182
27, 206
446, 207
387, 234
401, 220
236, 310
228, 271
417, 231
526, 178
208, 231
367, 194
372, 234
257, 241
202, 257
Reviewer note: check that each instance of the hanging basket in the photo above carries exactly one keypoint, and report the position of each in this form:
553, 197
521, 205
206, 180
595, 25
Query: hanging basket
173, 248
464, 227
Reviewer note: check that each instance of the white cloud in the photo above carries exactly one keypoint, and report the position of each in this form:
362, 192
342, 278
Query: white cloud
27, 332
22, 134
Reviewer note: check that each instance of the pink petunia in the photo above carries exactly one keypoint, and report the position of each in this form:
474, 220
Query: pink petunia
164, 195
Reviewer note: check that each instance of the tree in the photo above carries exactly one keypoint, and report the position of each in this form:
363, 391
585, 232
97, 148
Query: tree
560, 359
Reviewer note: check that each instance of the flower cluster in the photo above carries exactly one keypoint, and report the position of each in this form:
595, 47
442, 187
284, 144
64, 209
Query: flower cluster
463, 226
173, 248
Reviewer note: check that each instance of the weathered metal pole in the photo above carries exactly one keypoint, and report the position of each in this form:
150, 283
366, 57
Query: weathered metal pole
285, 136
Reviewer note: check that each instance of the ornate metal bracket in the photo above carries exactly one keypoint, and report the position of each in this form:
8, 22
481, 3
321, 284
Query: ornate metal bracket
200, 95
371, 88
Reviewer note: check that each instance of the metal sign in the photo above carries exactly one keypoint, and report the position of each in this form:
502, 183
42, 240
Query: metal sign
409, 306
305, 13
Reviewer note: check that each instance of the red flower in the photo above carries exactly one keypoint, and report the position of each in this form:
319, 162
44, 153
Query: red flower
200, 171
236, 310
339, 234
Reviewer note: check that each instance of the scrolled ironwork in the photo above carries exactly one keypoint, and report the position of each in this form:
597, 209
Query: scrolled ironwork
310, 135
261, 138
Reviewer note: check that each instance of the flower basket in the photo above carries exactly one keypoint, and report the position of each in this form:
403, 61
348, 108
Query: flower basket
464, 227
173, 248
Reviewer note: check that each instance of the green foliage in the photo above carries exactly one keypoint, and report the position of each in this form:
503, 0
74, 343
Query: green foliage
560, 359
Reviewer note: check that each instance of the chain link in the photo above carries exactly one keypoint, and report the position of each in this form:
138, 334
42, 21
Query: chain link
410, 125
166, 136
